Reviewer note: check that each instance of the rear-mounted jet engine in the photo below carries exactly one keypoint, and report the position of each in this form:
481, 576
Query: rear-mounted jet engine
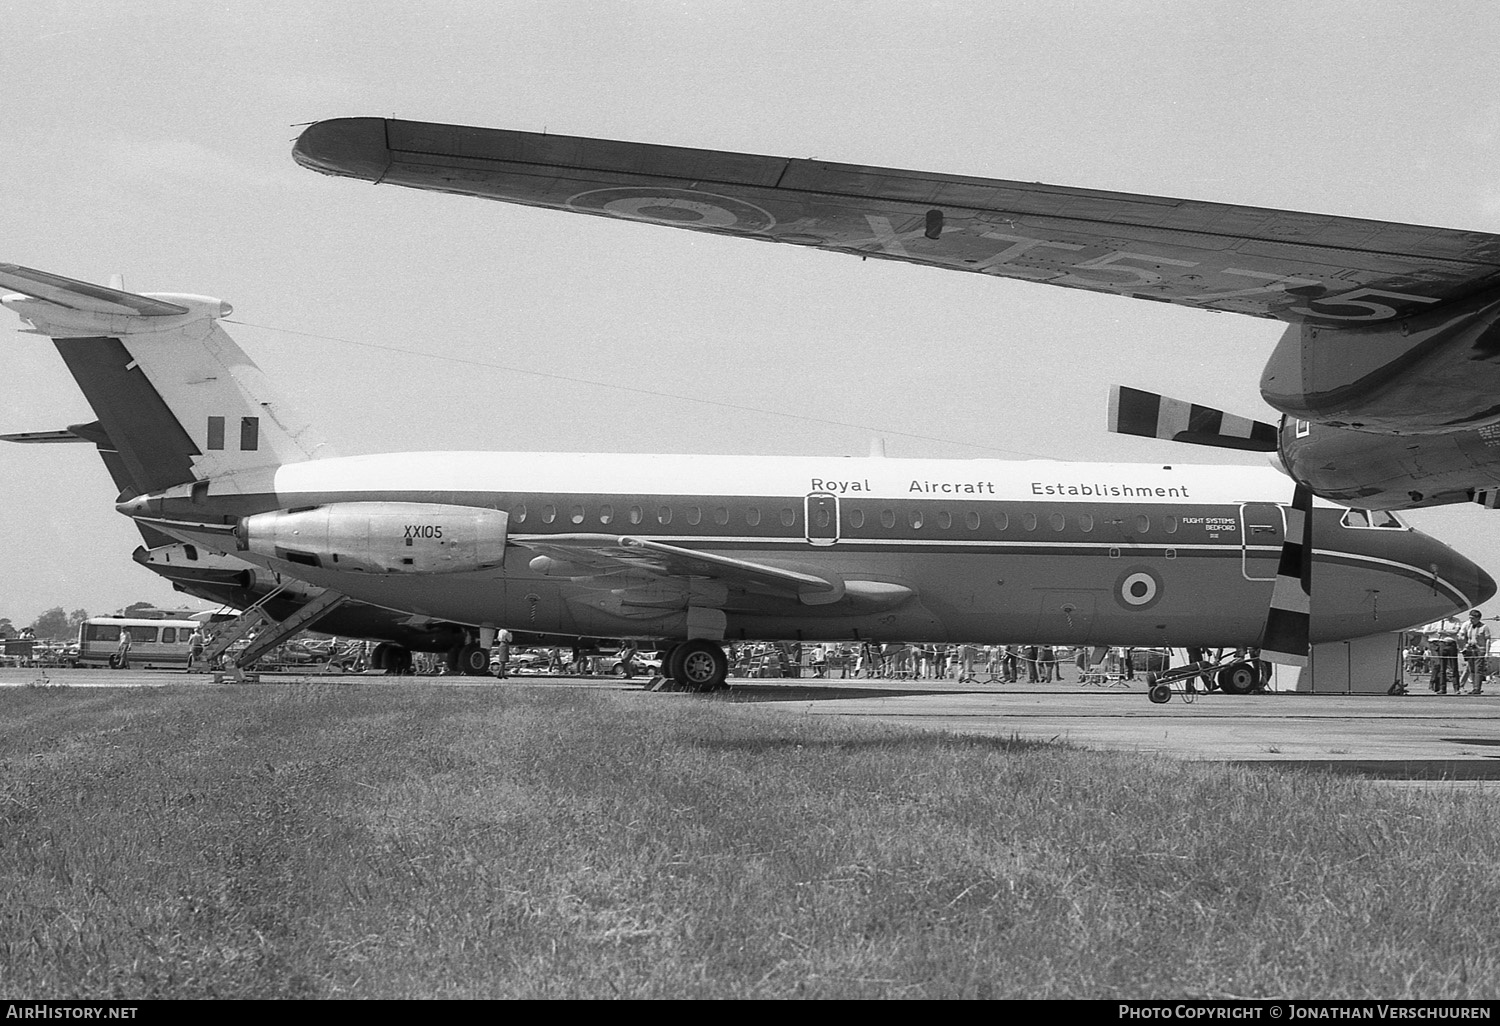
380, 537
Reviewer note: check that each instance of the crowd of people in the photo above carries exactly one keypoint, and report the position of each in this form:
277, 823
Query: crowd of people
1453, 660
1007, 664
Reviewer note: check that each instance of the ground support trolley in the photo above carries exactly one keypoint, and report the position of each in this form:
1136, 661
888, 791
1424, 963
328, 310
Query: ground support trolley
1234, 675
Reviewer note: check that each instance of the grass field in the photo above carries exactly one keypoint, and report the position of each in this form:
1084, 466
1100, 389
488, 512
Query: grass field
409, 841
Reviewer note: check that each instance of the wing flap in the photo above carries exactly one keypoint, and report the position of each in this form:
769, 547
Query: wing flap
1295, 266
602, 554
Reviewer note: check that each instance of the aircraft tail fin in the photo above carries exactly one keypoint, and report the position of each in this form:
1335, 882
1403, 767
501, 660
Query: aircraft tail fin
174, 394
1133, 411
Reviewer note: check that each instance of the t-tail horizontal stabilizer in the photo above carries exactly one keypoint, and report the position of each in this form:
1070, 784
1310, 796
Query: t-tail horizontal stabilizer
84, 295
1150, 415
1288, 621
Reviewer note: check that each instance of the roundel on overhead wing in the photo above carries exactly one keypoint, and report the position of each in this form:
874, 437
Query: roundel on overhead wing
687, 208
1139, 587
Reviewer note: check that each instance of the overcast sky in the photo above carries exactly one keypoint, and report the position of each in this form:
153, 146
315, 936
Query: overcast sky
153, 140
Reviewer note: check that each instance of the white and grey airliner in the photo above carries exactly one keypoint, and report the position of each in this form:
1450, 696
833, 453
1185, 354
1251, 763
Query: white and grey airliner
694, 551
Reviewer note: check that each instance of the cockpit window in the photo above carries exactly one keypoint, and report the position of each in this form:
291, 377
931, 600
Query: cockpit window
1379, 519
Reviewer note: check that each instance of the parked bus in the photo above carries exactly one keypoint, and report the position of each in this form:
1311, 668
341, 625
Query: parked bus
153, 643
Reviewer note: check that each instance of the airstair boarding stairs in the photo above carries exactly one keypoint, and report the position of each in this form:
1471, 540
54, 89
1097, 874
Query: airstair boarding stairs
271, 632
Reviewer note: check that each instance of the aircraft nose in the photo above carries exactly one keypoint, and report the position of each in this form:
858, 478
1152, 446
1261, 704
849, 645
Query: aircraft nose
1487, 587
1477, 585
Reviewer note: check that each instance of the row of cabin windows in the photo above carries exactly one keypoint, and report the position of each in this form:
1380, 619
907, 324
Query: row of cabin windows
138, 635
854, 518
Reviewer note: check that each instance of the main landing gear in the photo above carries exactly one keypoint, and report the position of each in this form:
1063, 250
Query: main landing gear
469, 659
392, 658
698, 665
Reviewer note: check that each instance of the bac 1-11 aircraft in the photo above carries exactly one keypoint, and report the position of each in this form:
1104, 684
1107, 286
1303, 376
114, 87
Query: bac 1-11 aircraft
1388, 372
696, 551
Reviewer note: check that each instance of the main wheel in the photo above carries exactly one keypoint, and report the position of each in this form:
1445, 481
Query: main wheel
1239, 678
474, 661
671, 662
702, 665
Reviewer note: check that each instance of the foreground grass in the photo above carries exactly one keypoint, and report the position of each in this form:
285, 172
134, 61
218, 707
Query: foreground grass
389, 841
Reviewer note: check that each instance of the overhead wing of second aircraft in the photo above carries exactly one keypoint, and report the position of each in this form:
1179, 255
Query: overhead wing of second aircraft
1295, 267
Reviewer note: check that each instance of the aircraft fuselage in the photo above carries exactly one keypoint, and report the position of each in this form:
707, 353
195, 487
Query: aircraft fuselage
973, 550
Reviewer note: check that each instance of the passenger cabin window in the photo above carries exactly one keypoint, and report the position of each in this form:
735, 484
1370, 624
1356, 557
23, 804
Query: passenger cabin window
694, 515
1028, 521
887, 518
519, 513
575, 514
1142, 523
752, 516
636, 514
1057, 521
972, 520
664, 514
788, 517
606, 513
1002, 521
549, 513
944, 519
856, 518
1086, 522
1170, 523
914, 518
721, 515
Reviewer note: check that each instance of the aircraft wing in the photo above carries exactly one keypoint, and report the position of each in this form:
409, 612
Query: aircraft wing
599, 555
1295, 267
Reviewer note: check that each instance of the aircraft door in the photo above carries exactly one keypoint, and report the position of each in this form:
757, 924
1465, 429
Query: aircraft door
822, 518
1262, 529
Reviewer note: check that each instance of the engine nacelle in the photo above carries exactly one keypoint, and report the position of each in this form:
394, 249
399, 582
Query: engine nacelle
380, 537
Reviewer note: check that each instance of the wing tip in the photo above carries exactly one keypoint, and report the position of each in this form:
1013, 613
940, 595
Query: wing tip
347, 147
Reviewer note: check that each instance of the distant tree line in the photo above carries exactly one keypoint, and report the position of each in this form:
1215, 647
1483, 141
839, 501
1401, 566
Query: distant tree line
56, 625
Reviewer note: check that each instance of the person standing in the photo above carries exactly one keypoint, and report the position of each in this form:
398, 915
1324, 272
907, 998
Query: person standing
1476, 640
196, 642
1435, 682
1447, 671
122, 652
502, 653
1012, 664
1049, 668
